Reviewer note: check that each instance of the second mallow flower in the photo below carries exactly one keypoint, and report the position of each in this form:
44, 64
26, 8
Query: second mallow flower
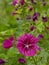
8, 43
27, 44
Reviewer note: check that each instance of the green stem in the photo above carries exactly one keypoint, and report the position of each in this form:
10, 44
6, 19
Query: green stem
34, 61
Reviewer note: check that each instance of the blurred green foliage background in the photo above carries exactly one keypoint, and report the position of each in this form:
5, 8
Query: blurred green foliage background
10, 26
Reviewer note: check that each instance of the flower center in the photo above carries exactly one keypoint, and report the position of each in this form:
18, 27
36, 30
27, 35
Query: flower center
27, 46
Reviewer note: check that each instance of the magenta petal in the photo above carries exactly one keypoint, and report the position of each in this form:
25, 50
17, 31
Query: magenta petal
27, 44
22, 2
30, 52
15, 2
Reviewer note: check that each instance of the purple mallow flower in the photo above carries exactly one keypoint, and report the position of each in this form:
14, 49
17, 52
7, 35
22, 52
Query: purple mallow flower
40, 36
8, 43
2, 61
27, 45
21, 60
44, 19
35, 16
22, 2
32, 28
15, 2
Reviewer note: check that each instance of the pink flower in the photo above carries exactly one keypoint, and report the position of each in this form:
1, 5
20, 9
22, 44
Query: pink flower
32, 28
44, 19
14, 13
15, 2
22, 2
35, 16
40, 36
8, 43
21, 60
2, 61
27, 44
